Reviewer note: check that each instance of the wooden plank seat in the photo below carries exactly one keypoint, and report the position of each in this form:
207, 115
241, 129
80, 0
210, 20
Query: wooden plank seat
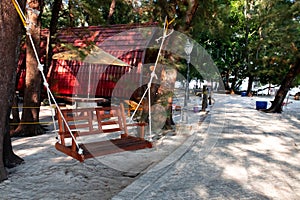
86, 124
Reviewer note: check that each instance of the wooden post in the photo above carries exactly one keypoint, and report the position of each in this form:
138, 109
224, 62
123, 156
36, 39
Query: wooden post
204, 98
123, 119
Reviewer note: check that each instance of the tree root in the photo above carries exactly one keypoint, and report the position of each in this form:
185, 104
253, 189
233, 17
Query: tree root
28, 131
271, 110
12, 161
3, 174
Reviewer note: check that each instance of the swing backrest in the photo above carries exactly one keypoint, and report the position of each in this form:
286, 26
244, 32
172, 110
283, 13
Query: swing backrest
78, 120
87, 121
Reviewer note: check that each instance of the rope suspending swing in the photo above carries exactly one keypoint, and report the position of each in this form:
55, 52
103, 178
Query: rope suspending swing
153, 75
27, 25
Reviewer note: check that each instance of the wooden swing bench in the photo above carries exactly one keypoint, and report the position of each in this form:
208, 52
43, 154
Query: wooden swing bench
87, 124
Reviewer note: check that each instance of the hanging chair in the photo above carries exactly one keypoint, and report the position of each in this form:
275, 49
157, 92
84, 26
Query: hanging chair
107, 126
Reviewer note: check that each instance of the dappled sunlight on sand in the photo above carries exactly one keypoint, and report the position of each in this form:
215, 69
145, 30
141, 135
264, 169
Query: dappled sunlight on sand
30, 151
235, 171
259, 151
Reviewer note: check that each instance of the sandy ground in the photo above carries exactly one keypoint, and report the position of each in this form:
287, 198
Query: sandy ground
50, 174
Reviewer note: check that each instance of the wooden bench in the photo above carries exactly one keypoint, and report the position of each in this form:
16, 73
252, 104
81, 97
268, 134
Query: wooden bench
88, 123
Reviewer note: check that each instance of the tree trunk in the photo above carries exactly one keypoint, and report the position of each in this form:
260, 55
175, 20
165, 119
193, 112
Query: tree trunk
165, 94
56, 7
10, 158
29, 125
233, 83
111, 11
249, 87
193, 6
204, 98
161, 93
276, 106
9, 37
246, 51
71, 15
15, 110
226, 80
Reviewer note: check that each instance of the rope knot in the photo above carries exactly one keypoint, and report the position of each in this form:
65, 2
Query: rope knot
40, 67
153, 75
46, 84
80, 151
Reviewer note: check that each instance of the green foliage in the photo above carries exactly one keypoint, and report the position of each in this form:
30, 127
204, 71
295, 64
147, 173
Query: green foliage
250, 38
279, 33
90, 13
245, 38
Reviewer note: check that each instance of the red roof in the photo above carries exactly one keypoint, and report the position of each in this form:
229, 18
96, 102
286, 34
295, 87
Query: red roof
126, 42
